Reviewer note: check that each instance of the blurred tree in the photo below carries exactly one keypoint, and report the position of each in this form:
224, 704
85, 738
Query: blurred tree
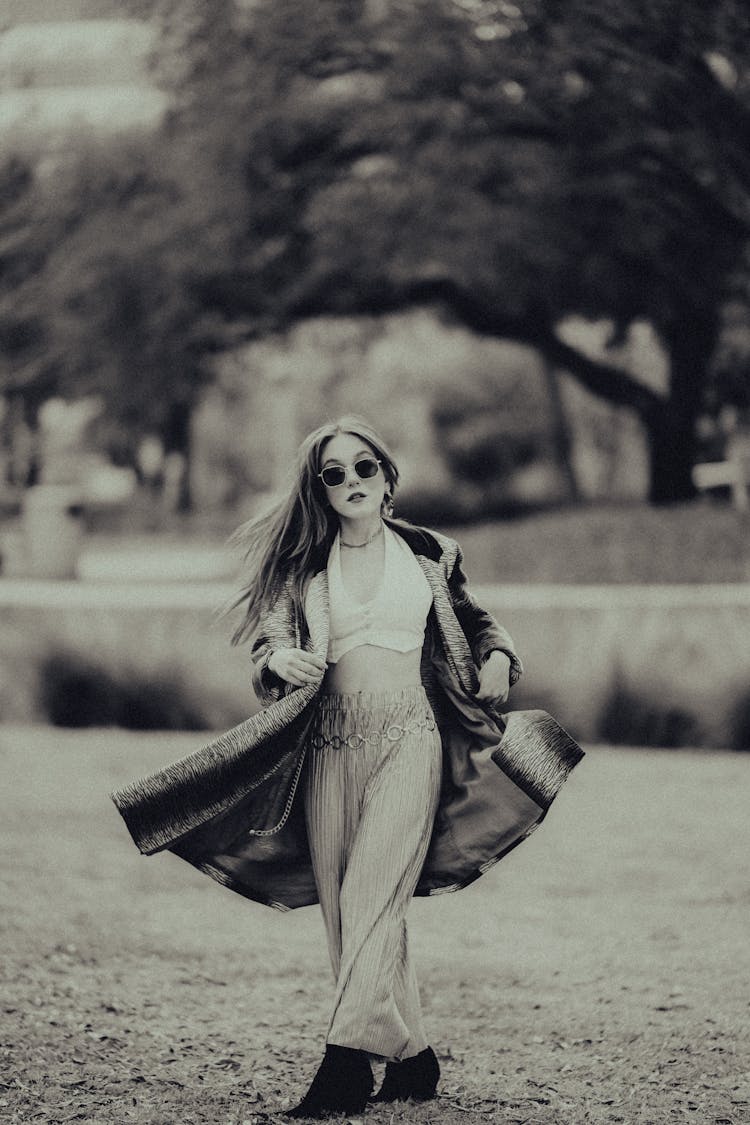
658, 194
98, 254
512, 162
103, 247
730, 369
508, 162
24, 240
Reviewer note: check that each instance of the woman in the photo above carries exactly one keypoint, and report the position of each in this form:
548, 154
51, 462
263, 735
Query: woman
379, 766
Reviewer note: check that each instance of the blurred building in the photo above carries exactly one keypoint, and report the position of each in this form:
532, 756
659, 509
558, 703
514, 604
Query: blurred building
72, 71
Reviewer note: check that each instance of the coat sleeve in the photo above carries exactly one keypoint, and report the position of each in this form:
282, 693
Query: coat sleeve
482, 631
276, 629
267, 686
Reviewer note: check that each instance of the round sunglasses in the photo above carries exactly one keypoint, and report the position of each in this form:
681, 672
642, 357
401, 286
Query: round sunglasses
335, 475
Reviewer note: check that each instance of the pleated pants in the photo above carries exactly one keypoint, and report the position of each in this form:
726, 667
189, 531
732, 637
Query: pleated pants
373, 782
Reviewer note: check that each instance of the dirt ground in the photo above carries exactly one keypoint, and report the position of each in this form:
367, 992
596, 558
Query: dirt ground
598, 974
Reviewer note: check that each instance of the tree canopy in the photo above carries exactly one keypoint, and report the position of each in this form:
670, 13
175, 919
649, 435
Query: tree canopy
512, 163
508, 162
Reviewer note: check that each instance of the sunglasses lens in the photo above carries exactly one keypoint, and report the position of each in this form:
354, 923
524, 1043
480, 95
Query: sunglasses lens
333, 476
366, 468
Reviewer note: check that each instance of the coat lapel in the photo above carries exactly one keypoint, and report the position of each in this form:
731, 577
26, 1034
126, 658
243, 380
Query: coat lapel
457, 650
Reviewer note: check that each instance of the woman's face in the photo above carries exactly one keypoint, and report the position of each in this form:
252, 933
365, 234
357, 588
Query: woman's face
357, 497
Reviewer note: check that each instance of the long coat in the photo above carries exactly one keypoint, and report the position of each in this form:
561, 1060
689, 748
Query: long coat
234, 810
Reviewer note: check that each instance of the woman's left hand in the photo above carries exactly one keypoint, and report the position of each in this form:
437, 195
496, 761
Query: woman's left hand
494, 679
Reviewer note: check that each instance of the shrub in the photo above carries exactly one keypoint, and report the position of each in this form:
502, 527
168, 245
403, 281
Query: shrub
739, 724
78, 693
628, 718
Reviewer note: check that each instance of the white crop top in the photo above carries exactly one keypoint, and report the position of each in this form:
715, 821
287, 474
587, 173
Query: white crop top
394, 618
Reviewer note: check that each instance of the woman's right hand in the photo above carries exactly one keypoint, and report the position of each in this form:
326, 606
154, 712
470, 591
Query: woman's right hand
297, 666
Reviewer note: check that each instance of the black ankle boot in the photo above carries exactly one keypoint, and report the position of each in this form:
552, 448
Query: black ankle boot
343, 1083
415, 1078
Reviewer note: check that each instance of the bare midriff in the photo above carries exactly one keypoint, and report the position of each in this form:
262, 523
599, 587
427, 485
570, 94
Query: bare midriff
371, 668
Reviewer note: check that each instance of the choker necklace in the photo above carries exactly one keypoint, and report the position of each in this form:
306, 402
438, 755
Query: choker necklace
366, 542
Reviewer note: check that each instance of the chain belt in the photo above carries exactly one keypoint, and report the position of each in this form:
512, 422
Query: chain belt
355, 741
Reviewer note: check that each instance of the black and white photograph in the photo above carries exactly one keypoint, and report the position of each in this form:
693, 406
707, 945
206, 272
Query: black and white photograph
375, 562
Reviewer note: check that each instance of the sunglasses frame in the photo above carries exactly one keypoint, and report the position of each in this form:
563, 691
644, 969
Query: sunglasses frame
359, 461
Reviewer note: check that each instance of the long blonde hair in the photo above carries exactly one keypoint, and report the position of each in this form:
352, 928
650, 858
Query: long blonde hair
292, 539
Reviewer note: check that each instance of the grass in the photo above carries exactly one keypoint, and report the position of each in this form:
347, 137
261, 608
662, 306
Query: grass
704, 541
698, 542
596, 975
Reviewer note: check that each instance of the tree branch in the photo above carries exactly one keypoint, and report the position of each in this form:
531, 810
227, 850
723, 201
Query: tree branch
602, 379
330, 296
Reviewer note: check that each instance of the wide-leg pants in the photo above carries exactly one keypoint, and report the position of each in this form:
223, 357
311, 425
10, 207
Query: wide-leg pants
373, 782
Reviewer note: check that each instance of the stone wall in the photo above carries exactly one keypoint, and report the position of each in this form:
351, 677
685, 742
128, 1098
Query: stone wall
667, 664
